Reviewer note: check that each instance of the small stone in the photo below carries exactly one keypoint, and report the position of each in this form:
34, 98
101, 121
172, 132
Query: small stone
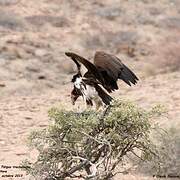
2, 142
2, 85
28, 118
41, 77
40, 52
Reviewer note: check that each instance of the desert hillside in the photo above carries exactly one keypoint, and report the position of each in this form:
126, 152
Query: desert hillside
35, 74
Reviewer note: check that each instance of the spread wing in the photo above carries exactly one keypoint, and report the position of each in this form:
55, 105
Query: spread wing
75, 61
92, 70
113, 69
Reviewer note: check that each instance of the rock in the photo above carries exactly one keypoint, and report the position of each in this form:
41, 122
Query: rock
2, 142
109, 12
28, 118
40, 52
41, 77
2, 84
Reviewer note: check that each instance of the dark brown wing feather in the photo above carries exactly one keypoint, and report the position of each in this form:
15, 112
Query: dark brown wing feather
113, 69
76, 62
106, 98
90, 67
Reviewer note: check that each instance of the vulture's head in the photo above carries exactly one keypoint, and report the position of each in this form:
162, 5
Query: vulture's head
75, 77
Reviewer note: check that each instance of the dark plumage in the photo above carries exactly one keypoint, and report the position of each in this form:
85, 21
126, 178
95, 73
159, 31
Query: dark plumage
105, 71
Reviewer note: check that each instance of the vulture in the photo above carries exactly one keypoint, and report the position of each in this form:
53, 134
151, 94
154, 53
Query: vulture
100, 79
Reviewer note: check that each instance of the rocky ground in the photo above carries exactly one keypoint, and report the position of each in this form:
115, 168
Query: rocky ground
35, 74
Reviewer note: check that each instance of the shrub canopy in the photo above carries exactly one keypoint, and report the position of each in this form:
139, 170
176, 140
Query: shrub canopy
91, 144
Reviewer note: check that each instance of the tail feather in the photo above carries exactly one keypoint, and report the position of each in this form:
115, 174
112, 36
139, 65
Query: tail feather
128, 76
106, 98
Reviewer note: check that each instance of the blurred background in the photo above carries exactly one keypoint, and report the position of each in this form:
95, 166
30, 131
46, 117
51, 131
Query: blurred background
35, 74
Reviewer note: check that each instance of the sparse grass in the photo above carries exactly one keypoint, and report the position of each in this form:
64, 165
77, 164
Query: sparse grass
168, 59
40, 20
109, 13
11, 21
167, 162
8, 2
121, 41
170, 22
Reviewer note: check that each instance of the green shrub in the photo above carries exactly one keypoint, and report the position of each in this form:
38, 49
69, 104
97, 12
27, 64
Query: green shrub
91, 144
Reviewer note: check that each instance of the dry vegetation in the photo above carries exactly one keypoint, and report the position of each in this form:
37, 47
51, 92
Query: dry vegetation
35, 74
91, 145
169, 57
168, 162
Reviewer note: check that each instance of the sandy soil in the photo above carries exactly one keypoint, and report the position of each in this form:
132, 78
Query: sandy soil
22, 114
